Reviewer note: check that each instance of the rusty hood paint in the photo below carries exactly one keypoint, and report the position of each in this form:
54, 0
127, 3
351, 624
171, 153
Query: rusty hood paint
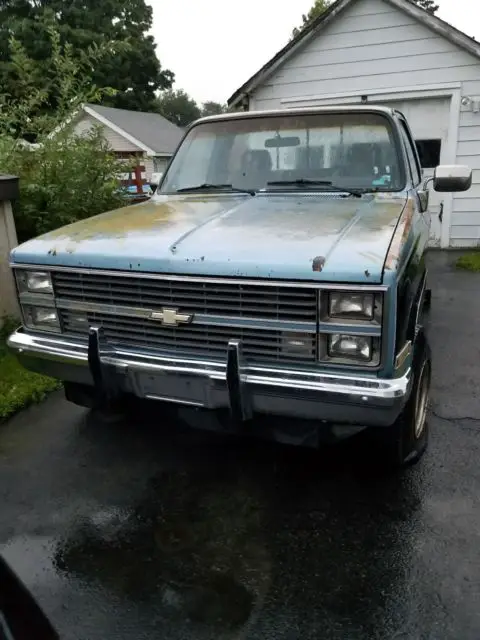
320, 237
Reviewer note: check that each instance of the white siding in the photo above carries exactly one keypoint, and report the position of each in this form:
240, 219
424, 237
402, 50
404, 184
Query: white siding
148, 164
116, 141
465, 226
373, 46
370, 46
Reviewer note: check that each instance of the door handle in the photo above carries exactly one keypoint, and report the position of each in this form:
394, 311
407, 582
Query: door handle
440, 215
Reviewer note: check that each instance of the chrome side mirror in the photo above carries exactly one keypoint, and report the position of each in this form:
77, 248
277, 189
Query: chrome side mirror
452, 178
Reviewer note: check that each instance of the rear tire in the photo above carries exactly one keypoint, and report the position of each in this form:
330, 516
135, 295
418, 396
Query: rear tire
405, 442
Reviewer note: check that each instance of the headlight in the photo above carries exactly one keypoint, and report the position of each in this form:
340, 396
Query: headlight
34, 281
43, 318
351, 305
351, 347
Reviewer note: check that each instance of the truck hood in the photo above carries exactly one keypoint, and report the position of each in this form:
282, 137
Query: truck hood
319, 237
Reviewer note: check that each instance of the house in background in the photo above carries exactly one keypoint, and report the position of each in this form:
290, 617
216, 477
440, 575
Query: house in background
392, 53
148, 136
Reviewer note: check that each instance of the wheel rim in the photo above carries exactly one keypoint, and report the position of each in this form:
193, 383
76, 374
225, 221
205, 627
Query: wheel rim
421, 400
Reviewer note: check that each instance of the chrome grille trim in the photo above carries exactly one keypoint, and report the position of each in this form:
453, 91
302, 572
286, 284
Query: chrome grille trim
199, 297
222, 311
192, 339
270, 308
146, 313
178, 278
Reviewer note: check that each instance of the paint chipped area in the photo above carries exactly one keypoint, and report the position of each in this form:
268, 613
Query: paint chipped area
137, 219
288, 236
318, 263
401, 235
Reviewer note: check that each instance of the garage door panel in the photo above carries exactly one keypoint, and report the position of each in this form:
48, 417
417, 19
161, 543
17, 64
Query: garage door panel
427, 118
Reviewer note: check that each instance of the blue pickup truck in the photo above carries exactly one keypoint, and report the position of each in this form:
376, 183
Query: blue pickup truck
278, 270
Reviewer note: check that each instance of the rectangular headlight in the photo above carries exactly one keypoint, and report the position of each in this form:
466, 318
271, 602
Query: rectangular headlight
351, 305
43, 318
351, 347
33, 281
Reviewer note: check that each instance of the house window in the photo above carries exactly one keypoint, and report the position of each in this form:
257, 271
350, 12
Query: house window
159, 164
429, 152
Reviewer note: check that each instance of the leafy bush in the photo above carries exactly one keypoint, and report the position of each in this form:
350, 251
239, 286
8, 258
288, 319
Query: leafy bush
63, 177
66, 178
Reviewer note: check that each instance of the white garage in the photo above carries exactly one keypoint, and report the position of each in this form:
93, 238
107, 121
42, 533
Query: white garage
394, 53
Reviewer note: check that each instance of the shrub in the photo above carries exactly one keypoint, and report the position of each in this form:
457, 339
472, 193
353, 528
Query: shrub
66, 178
63, 177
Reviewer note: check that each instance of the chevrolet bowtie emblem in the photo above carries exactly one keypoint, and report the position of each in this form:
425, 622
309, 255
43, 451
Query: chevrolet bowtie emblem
171, 317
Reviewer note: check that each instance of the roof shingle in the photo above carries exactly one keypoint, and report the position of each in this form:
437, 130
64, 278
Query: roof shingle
151, 129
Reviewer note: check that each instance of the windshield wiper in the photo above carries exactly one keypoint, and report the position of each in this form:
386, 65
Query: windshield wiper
301, 182
207, 186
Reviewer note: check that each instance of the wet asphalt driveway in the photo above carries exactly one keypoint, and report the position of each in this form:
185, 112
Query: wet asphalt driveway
130, 532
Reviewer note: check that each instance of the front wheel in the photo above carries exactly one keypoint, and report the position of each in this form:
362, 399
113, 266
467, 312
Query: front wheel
406, 440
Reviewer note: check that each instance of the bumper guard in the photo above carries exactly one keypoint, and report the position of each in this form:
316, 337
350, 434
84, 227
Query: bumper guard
234, 384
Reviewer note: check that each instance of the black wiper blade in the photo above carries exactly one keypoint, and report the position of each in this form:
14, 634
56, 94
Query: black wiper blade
314, 183
207, 186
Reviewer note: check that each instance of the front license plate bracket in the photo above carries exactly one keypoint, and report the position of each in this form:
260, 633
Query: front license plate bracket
176, 388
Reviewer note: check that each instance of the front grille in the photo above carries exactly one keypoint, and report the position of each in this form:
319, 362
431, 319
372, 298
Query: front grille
228, 299
264, 345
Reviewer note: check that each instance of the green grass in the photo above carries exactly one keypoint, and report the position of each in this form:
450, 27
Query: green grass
469, 261
19, 387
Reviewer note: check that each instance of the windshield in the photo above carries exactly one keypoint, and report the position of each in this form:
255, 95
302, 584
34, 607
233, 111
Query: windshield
353, 150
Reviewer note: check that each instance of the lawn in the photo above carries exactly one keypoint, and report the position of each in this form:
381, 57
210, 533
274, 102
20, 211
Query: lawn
469, 261
19, 387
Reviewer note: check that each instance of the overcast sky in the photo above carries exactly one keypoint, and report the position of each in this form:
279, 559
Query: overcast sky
214, 46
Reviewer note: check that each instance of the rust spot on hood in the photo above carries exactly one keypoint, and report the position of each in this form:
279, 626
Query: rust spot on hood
318, 263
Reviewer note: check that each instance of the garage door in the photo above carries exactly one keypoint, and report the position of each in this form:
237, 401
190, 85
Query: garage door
428, 119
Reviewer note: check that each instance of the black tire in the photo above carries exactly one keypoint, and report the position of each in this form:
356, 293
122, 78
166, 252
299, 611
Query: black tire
405, 442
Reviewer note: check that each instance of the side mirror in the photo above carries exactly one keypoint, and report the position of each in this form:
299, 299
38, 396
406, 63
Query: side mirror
20, 615
451, 178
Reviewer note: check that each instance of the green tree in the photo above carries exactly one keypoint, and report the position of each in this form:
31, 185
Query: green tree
178, 107
63, 177
211, 108
428, 5
134, 71
319, 7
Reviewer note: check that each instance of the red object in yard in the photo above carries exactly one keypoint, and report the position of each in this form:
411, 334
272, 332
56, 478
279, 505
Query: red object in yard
136, 178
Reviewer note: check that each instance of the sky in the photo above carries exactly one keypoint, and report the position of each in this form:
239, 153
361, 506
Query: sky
214, 46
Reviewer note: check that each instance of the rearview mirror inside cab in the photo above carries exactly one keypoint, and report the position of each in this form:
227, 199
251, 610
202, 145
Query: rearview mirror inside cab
450, 178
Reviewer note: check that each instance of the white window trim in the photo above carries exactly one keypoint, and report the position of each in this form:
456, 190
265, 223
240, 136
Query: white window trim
449, 153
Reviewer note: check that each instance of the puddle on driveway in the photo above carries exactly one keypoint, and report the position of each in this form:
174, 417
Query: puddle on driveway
193, 548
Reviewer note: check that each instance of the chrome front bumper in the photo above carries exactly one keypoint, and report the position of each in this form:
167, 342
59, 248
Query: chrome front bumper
245, 389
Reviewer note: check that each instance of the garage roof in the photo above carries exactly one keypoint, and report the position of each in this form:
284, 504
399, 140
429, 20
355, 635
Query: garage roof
315, 27
149, 131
